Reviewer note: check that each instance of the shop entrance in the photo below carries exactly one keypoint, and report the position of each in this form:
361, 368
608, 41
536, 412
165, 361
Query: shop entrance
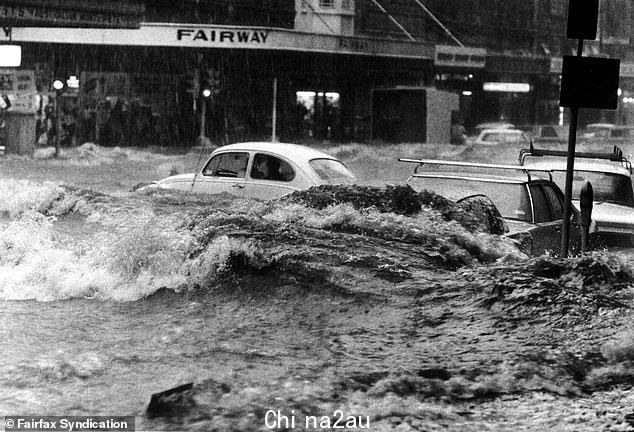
318, 114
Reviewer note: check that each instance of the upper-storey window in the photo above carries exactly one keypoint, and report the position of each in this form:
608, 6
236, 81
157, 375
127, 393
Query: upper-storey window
346, 4
326, 3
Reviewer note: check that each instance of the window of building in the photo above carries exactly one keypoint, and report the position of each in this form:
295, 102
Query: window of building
346, 25
557, 7
346, 4
326, 3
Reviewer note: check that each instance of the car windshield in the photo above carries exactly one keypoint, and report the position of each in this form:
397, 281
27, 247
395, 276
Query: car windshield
330, 169
511, 199
606, 187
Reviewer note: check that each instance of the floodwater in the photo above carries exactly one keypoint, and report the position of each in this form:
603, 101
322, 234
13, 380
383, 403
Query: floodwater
398, 322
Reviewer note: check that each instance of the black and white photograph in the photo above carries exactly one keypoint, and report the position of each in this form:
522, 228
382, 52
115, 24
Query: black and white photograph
317, 215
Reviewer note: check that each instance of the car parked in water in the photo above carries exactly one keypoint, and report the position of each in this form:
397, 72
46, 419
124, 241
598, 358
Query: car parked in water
492, 125
610, 177
264, 170
491, 137
548, 133
532, 206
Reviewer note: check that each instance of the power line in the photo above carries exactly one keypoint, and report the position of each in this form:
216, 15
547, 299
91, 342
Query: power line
437, 21
306, 3
393, 20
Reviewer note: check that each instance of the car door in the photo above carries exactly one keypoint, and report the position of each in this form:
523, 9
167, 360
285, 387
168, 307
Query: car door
556, 201
547, 230
270, 177
224, 172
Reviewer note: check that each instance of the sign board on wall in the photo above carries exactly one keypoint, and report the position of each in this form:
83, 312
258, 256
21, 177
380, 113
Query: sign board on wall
462, 57
231, 37
72, 13
19, 87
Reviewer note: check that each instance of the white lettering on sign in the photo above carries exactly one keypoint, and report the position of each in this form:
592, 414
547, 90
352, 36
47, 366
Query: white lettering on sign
223, 36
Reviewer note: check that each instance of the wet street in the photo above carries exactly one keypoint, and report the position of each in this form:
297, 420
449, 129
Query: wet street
414, 322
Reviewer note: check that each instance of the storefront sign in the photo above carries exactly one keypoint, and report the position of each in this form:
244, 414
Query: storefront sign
233, 37
224, 36
17, 82
626, 70
460, 57
72, 13
506, 87
19, 87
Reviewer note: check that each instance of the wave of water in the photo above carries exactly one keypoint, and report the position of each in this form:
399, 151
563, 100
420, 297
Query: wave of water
122, 249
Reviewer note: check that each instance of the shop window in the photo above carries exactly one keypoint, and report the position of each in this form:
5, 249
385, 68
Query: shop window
557, 7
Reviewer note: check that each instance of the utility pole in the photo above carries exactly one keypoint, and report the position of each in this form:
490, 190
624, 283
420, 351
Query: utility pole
274, 113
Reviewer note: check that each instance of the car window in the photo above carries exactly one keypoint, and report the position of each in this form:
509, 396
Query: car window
556, 206
330, 169
231, 164
619, 133
607, 187
540, 204
267, 167
493, 137
511, 199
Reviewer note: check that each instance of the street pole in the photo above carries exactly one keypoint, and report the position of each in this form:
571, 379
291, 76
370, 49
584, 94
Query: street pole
203, 117
58, 123
570, 166
274, 114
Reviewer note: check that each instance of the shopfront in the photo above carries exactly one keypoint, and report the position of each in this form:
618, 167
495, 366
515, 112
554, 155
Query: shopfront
515, 89
142, 86
461, 70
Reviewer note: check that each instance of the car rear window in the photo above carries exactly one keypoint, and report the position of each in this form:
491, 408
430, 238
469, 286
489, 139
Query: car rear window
607, 187
330, 169
511, 199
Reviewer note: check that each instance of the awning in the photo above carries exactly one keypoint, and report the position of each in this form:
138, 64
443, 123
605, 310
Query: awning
231, 37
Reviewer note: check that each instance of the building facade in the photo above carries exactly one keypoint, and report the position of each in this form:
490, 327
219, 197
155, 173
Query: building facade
317, 61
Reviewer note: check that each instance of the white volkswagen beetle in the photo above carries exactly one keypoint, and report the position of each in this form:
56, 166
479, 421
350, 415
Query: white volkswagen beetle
264, 170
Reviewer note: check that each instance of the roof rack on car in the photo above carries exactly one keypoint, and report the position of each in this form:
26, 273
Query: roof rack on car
615, 156
523, 169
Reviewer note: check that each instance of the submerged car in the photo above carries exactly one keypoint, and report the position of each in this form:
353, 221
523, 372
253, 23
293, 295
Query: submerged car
548, 134
533, 207
502, 136
493, 125
610, 177
264, 170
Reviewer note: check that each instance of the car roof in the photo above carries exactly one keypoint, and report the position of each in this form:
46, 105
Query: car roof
511, 179
601, 125
580, 165
292, 151
495, 125
502, 131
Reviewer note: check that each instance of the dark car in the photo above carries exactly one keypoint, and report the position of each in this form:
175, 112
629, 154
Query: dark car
532, 206
611, 177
